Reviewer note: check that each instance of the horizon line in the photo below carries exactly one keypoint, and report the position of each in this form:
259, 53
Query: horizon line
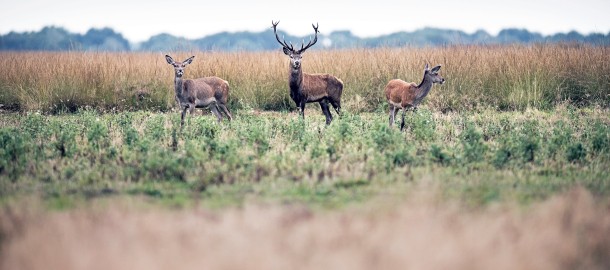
288, 33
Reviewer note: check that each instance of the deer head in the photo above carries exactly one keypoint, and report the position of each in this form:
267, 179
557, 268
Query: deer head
179, 66
432, 74
295, 55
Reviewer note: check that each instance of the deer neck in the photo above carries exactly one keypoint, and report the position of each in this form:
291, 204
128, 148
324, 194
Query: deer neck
178, 82
296, 81
423, 89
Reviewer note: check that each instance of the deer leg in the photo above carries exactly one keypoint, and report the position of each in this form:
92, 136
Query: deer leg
402, 125
178, 102
226, 111
392, 112
302, 106
396, 109
336, 105
182, 115
215, 111
191, 109
326, 111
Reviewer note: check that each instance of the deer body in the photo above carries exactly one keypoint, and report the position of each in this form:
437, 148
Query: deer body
306, 88
208, 92
403, 95
220, 87
194, 93
322, 88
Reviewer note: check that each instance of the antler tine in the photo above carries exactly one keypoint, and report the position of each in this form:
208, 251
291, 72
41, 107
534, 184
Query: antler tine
303, 43
315, 28
278, 38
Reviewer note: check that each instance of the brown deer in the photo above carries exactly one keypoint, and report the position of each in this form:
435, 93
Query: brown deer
403, 95
211, 92
306, 88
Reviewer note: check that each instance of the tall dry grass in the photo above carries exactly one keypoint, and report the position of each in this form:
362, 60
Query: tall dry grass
502, 77
570, 231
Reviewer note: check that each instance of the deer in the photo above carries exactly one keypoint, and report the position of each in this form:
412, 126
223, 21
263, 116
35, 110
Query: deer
211, 92
403, 95
307, 88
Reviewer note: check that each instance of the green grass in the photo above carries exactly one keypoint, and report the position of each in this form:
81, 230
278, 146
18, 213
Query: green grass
477, 157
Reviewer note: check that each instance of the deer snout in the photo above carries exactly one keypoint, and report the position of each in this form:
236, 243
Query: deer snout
442, 81
297, 64
179, 73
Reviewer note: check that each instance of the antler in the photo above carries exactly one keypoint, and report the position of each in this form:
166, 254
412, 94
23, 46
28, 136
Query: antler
278, 38
315, 29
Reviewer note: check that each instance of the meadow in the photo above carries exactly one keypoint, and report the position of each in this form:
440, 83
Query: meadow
527, 155
505, 166
502, 78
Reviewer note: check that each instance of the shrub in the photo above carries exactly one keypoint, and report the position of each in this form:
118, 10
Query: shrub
155, 127
385, 137
502, 157
398, 158
13, 153
472, 145
439, 156
97, 135
529, 141
600, 137
423, 126
34, 124
576, 152
65, 138
560, 137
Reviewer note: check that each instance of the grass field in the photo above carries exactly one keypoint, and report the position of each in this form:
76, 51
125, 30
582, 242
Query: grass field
502, 78
505, 166
480, 157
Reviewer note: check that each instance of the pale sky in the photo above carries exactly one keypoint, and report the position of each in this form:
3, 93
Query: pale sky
138, 20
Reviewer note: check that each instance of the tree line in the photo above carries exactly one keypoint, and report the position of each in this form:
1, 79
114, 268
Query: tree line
106, 39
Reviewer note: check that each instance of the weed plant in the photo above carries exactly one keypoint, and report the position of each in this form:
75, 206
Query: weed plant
488, 155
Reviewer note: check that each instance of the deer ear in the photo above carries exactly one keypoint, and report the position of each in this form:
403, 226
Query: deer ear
188, 60
287, 51
426, 68
169, 59
436, 69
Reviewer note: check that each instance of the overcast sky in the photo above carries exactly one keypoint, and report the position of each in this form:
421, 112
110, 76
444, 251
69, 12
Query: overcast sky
139, 20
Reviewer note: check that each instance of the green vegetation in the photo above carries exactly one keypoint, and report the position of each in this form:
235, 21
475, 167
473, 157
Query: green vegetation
511, 124
514, 151
478, 157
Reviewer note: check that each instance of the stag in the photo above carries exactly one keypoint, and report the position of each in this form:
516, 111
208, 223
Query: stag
403, 95
306, 88
211, 92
